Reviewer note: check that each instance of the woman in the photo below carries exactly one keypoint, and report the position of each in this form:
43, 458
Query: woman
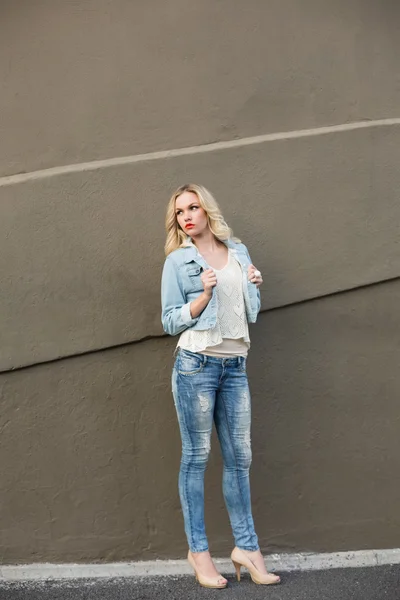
209, 294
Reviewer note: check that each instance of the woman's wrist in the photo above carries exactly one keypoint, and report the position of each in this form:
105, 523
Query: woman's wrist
198, 305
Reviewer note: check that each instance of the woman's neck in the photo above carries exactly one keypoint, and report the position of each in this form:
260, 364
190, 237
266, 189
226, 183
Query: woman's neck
206, 243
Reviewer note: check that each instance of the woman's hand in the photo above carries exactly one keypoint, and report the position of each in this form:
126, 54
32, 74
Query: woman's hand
255, 275
209, 280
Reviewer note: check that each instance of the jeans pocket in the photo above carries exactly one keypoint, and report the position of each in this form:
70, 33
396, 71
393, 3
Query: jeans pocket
243, 364
190, 363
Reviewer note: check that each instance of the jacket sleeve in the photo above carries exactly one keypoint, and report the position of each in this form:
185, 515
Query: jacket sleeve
175, 311
258, 289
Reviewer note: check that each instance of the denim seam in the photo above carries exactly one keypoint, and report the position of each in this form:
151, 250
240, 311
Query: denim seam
190, 373
183, 416
251, 549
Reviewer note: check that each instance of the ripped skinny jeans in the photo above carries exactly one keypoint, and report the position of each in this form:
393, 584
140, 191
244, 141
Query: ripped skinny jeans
206, 388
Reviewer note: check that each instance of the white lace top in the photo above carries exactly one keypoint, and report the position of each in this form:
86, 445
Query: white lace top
230, 336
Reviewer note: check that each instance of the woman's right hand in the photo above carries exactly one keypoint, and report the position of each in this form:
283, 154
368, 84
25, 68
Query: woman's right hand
209, 280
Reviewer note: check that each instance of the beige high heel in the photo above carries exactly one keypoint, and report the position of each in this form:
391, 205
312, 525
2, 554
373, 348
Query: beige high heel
240, 559
208, 582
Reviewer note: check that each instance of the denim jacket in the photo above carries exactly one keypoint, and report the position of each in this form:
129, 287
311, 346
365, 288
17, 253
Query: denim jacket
181, 284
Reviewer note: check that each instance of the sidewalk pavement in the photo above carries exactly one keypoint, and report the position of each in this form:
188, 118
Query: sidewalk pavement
372, 583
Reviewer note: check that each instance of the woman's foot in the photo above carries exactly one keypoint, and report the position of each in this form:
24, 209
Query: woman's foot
205, 570
257, 559
254, 563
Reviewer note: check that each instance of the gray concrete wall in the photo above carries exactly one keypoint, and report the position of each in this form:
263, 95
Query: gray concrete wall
89, 445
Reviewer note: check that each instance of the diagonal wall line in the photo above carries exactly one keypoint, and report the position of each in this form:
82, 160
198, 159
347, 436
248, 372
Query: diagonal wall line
164, 336
200, 149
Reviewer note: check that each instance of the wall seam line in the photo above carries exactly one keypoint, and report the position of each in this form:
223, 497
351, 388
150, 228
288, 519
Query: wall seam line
192, 150
164, 336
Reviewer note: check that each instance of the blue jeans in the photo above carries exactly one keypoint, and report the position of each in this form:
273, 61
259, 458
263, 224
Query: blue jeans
206, 389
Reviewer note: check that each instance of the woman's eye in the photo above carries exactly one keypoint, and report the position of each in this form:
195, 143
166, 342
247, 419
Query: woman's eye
194, 207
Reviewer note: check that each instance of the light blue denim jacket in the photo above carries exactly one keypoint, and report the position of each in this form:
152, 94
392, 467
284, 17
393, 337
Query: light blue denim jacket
181, 284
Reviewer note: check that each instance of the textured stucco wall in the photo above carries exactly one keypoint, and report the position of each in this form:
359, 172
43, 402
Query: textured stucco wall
89, 446
91, 79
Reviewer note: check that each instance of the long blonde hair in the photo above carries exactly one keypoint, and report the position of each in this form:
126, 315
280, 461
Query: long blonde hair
176, 237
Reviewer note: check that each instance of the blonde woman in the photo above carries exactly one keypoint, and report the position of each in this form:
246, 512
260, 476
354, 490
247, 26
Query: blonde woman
209, 295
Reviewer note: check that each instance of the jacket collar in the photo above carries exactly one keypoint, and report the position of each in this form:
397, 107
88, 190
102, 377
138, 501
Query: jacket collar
192, 254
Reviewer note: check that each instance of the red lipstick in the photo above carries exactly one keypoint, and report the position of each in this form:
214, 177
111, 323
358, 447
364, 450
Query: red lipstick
189, 226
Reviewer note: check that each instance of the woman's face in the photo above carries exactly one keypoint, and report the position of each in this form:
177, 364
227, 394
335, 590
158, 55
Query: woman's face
191, 217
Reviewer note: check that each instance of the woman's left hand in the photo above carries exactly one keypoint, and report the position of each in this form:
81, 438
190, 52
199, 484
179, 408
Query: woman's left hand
255, 276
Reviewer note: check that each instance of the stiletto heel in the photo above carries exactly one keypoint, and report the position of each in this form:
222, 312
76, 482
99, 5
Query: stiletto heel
240, 559
237, 569
208, 582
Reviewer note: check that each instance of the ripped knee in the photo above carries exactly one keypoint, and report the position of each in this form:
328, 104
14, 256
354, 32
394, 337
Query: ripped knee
198, 453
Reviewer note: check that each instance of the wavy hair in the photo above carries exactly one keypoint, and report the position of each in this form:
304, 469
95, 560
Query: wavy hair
176, 237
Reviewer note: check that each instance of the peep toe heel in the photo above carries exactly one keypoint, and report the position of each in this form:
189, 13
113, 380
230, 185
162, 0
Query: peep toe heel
208, 582
240, 559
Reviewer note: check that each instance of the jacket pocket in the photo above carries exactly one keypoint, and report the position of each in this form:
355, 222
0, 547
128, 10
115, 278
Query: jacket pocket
194, 277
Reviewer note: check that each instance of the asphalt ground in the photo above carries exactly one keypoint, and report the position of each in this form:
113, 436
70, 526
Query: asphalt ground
372, 583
